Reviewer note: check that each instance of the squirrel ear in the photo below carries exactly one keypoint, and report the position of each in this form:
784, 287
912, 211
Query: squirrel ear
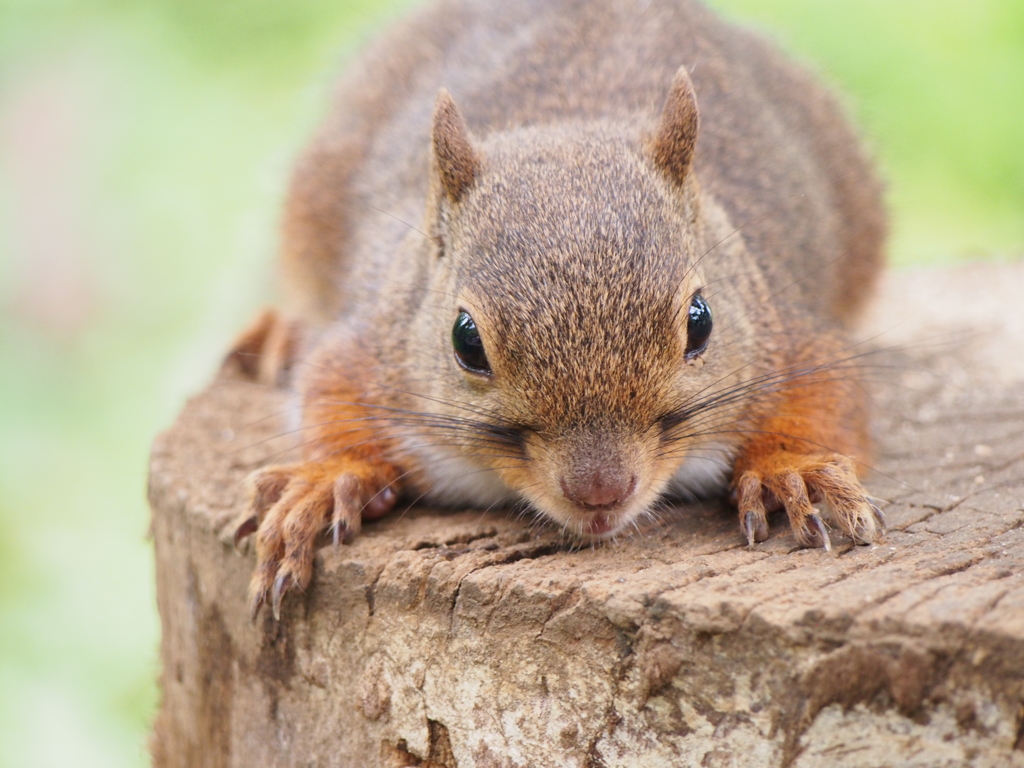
457, 162
676, 137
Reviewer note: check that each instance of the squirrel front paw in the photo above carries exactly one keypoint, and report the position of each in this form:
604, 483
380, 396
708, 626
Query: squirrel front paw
291, 505
795, 482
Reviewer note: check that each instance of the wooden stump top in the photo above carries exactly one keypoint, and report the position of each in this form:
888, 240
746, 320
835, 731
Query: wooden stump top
474, 638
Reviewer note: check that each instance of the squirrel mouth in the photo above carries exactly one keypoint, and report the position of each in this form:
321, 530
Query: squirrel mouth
599, 524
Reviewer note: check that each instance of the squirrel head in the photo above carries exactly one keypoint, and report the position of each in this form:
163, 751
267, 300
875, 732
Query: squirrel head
572, 325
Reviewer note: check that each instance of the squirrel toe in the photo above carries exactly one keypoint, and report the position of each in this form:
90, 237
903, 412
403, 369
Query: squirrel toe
291, 506
792, 483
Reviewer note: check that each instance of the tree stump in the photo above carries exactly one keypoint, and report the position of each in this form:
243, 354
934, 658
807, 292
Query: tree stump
479, 639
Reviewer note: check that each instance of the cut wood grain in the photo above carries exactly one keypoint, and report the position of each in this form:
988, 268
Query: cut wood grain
476, 638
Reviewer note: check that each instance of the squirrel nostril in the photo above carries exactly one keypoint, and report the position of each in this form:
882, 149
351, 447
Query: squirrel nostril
598, 489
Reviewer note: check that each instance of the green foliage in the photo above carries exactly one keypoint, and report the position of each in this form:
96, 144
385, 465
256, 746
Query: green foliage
936, 87
144, 147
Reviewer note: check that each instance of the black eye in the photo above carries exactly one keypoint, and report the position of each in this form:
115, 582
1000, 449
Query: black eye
469, 349
698, 327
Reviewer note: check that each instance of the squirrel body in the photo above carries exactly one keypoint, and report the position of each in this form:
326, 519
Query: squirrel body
505, 289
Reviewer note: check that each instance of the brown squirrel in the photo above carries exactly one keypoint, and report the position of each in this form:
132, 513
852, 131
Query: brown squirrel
514, 300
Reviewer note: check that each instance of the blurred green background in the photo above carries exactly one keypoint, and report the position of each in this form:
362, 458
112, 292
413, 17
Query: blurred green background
144, 147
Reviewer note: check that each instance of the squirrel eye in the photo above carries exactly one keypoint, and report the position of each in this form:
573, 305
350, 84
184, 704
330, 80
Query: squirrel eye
469, 348
698, 327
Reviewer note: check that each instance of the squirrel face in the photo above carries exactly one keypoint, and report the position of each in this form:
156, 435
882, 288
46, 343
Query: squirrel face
575, 325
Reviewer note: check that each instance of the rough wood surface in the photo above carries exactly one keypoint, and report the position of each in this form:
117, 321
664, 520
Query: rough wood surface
477, 639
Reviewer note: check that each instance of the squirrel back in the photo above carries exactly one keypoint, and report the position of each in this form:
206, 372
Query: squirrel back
775, 148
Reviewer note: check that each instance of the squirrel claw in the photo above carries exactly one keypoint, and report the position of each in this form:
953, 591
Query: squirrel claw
792, 480
243, 529
291, 506
282, 584
748, 527
876, 511
255, 604
753, 516
755, 526
341, 533
819, 524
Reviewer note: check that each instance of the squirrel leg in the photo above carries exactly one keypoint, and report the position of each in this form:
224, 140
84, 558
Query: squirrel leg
291, 505
266, 350
800, 456
347, 475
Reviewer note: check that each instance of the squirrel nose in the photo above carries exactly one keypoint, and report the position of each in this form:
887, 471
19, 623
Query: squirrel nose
599, 488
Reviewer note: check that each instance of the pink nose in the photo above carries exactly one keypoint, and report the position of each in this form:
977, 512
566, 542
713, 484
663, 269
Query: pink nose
600, 488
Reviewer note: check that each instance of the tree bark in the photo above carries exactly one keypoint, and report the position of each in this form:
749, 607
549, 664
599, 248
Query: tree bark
481, 639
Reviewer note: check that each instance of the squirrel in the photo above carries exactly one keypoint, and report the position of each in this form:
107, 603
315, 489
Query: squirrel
577, 254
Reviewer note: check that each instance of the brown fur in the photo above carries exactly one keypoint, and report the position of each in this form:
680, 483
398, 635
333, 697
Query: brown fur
676, 139
606, 162
456, 163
